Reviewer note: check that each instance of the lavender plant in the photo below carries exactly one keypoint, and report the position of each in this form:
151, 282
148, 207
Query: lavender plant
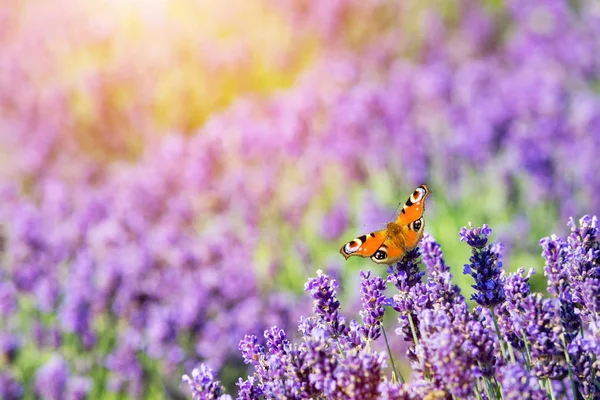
513, 344
106, 229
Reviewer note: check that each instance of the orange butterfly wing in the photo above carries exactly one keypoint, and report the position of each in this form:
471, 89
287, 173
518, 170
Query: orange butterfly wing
389, 252
365, 245
414, 207
392, 243
380, 246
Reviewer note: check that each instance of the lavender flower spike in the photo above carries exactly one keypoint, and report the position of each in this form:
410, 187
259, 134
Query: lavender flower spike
406, 274
277, 341
203, 384
248, 390
51, 379
251, 350
10, 389
485, 266
475, 237
326, 305
433, 257
517, 383
554, 250
583, 361
373, 300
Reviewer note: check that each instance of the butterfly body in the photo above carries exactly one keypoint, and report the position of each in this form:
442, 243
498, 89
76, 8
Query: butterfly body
398, 238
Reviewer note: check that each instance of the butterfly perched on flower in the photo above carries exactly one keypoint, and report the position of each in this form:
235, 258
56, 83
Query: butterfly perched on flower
398, 238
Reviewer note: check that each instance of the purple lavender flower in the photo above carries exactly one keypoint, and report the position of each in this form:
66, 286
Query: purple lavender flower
335, 222
570, 316
584, 365
8, 297
583, 259
406, 272
249, 389
554, 250
581, 263
439, 286
123, 362
252, 352
317, 367
277, 341
453, 350
433, 257
517, 286
47, 293
458, 74
443, 354
355, 337
407, 279
373, 300
437, 292
589, 297
307, 324
517, 384
299, 370
326, 305
76, 312
390, 391
315, 364
517, 289
586, 233
79, 387
482, 344
10, 389
485, 266
203, 384
51, 379
475, 237
540, 325
359, 376
9, 347
355, 376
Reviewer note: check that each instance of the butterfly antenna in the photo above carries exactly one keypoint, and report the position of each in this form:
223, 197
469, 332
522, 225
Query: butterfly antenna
395, 214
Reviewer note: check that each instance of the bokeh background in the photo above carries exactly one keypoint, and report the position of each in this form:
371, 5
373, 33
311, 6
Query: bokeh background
172, 171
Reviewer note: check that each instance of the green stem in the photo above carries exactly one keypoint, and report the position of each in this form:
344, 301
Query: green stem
551, 389
337, 340
499, 388
499, 335
413, 329
391, 357
597, 383
477, 393
573, 386
527, 352
488, 388
511, 352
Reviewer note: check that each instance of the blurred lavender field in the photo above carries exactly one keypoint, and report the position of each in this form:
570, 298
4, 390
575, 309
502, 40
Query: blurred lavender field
171, 172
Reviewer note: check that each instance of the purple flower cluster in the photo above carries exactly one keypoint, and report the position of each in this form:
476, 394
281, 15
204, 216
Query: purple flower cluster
326, 305
332, 361
203, 384
373, 301
116, 281
517, 383
148, 251
517, 347
485, 266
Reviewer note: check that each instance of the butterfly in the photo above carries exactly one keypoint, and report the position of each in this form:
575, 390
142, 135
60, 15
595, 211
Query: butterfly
398, 238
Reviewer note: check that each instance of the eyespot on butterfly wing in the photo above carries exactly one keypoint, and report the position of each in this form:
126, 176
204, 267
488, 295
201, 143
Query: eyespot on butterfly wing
398, 238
